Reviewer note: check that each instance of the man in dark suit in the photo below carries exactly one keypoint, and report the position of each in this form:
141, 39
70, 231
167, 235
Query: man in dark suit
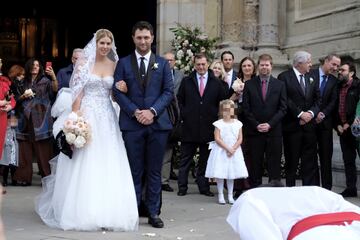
144, 121
349, 90
326, 82
264, 105
199, 96
166, 172
227, 58
64, 74
303, 100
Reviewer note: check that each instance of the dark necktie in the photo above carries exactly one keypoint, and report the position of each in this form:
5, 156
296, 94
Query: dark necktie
263, 88
302, 83
142, 71
323, 84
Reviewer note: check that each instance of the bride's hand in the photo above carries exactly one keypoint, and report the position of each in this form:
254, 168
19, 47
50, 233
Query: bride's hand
121, 86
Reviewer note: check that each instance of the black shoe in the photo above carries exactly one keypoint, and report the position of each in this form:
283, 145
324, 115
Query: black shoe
181, 193
173, 176
167, 188
156, 222
349, 192
207, 193
4, 183
14, 183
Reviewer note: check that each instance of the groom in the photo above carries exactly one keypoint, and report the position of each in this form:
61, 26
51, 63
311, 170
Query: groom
144, 121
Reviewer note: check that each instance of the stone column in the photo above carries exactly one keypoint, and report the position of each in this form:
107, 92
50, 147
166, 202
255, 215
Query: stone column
268, 35
232, 21
268, 24
249, 27
170, 12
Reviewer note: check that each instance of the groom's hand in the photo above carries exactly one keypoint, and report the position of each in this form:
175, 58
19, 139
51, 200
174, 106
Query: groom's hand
145, 117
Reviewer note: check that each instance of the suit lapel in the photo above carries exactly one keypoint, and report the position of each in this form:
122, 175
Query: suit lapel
307, 84
258, 87
150, 68
196, 85
269, 87
135, 68
297, 84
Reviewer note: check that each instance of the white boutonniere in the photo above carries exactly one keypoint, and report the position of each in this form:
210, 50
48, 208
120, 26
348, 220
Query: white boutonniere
311, 80
155, 66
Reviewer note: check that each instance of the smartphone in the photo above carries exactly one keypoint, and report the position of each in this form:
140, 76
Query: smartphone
48, 64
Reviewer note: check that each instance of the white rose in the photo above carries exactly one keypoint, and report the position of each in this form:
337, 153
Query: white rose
70, 138
79, 142
179, 54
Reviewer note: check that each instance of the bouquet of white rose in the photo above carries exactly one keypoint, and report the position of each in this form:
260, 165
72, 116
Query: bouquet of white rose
76, 130
238, 86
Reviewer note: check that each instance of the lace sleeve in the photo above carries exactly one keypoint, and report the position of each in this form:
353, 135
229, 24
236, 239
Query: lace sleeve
79, 78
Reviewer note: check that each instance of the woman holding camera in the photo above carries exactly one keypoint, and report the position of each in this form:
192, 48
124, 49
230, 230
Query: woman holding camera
34, 132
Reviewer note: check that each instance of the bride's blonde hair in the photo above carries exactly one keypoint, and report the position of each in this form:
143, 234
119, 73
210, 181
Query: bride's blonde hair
101, 33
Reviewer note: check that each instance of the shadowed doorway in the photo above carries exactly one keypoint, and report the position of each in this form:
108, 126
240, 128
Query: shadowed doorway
51, 31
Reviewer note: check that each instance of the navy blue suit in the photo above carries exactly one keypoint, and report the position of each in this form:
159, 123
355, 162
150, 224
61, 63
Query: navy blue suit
145, 144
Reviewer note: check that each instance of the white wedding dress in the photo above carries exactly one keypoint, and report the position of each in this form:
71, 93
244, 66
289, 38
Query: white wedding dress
94, 189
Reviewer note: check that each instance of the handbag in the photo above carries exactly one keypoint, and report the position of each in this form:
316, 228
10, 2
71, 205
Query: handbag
63, 145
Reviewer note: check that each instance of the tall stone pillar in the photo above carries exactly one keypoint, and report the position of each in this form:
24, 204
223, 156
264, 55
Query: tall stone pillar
268, 35
250, 23
231, 28
268, 24
170, 12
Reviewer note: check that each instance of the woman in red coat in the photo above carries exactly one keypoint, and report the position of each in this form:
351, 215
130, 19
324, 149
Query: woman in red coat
7, 103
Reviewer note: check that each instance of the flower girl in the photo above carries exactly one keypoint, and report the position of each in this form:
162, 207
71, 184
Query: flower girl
226, 160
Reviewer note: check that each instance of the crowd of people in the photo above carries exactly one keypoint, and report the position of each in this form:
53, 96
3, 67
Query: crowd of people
239, 123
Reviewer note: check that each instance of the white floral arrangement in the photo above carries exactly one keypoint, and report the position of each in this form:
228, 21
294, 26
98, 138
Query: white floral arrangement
238, 86
189, 41
76, 130
311, 80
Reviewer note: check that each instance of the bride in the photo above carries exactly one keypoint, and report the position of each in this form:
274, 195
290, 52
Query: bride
94, 189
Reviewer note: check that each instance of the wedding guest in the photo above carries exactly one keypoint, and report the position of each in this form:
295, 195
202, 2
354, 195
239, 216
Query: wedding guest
83, 192
226, 161
246, 72
326, 81
349, 91
299, 138
264, 103
219, 71
199, 96
227, 58
7, 103
64, 74
16, 75
167, 167
34, 132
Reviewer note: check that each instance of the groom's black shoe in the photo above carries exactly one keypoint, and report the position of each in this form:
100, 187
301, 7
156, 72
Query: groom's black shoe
156, 222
